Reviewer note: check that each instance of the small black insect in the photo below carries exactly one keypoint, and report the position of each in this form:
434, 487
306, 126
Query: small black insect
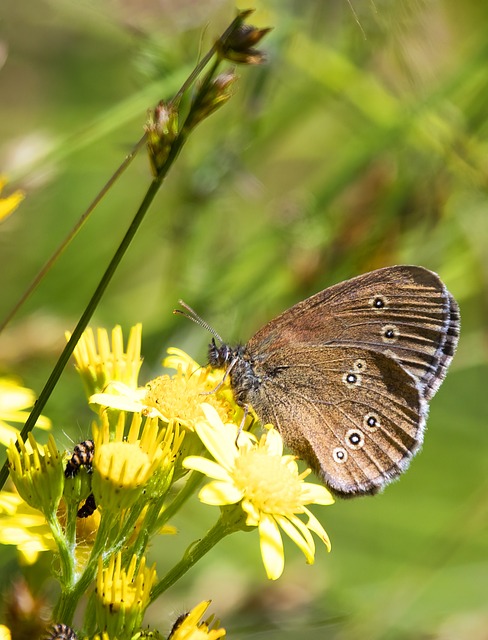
88, 508
61, 632
82, 455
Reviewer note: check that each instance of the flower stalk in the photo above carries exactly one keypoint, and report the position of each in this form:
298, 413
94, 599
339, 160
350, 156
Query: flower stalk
161, 167
230, 521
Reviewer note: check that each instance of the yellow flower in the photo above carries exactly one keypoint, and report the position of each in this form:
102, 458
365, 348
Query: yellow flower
13, 399
24, 527
11, 202
38, 473
172, 398
123, 594
124, 466
180, 397
189, 627
267, 484
103, 365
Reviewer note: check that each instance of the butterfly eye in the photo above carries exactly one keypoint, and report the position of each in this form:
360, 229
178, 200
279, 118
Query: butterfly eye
339, 454
390, 333
354, 439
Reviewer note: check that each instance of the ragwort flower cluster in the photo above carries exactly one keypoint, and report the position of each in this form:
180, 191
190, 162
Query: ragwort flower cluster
104, 501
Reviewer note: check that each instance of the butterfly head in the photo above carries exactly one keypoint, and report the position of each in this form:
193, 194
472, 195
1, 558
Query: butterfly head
222, 356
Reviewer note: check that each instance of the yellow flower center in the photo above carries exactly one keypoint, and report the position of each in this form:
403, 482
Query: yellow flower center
267, 482
125, 464
179, 398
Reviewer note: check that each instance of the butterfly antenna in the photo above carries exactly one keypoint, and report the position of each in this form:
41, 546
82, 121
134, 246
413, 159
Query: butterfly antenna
194, 317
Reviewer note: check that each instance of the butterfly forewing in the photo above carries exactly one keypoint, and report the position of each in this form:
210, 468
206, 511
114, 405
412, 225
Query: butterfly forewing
405, 312
356, 416
346, 374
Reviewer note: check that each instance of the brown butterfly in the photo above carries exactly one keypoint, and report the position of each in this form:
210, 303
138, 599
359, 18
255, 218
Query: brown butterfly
346, 375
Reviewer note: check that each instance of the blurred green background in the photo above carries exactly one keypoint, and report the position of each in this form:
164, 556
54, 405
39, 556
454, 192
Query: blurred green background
362, 143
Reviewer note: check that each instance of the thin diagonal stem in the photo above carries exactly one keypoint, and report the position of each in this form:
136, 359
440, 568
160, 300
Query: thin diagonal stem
72, 233
114, 263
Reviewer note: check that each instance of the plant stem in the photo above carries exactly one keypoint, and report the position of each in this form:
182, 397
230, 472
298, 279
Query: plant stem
64, 549
68, 601
114, 263
72, 233
87, 314
192, 555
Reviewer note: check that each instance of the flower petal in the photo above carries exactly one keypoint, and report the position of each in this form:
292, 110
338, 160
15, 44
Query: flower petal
10, 203
219, 493
253, 514
219, 439
177, 357
208, 467
123, 403
300, 536
316, 494
274, 443
271, 547
314, 525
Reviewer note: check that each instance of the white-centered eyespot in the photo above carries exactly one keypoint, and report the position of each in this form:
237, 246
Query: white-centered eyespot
352, 379
371, 421
354, 439
340, 455
389, 333
378, 302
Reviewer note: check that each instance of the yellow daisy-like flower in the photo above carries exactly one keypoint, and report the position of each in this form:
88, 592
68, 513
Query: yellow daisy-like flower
11, 202
123, 594
38, 473
180, 397
172, 398
24, 527
190, 627
124, 466
266, 483
14, 399
103, 365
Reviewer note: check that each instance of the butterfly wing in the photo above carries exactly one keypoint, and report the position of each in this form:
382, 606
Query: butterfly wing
404, 312
356, 416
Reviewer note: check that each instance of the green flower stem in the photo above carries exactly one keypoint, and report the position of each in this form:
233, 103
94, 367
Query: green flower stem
70, 533
114, 263
191, 485
127, 528
68, 601
64, 549
145, 531
87, 314
90, 617
151, 523
231, 520
72, 233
